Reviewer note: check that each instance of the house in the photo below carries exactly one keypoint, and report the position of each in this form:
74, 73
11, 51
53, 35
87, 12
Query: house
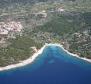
43, 14
3, 31
60, 9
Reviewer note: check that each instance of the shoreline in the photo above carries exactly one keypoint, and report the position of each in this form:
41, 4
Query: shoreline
36, 54
25, 62
72, 54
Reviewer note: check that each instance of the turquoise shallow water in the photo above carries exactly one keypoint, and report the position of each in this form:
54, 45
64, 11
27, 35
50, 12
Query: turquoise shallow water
53, 66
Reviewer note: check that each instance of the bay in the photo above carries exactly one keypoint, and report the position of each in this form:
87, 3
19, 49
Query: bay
53, 66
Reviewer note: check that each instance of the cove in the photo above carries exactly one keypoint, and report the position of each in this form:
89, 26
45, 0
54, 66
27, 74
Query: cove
53, 66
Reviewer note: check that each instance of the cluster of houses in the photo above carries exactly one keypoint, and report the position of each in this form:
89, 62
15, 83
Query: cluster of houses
7, 27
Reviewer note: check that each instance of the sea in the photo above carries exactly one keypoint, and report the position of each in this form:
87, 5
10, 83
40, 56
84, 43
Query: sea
53, 66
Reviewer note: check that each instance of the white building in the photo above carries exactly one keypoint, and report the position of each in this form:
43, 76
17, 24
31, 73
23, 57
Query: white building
3, 31
60, 9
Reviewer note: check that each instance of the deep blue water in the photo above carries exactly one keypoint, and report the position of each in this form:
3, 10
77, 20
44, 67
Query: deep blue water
53, 66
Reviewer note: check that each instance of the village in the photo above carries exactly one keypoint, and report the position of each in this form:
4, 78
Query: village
8, 29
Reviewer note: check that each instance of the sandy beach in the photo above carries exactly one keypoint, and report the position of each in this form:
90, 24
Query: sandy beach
25, 62
35, 55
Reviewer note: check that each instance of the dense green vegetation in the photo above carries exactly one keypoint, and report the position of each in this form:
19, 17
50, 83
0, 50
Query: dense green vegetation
20, 49
62, 24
